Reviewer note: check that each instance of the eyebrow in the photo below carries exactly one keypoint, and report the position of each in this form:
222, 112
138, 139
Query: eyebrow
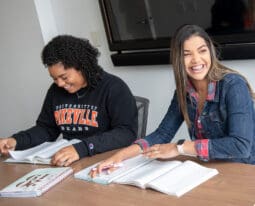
200, 47
60, 76
204, 45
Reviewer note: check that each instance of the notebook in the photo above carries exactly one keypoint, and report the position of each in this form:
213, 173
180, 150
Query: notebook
36, 182
169, 177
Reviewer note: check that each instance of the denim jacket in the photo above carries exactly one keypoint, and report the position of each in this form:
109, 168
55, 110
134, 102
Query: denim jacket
228, 122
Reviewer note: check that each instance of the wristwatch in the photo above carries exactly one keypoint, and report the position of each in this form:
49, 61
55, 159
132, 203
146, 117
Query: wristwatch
179, 145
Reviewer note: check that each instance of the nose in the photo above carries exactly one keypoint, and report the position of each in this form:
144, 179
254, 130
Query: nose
195, 57
60, 82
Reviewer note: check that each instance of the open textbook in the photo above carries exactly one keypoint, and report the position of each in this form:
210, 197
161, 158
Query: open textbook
40, 154
170, 177
36, 183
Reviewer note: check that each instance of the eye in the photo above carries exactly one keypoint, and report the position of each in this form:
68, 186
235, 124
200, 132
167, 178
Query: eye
64, 78
186, 54
203, 50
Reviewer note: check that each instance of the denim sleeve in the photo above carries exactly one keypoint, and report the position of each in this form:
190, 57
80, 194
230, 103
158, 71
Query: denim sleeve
239, 134
169, 125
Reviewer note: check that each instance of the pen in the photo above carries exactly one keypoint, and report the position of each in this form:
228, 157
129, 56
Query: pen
116, 165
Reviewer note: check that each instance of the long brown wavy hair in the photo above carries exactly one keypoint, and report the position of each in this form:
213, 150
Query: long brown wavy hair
216, 72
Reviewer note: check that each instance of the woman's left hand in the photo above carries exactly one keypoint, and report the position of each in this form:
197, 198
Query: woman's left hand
65, 156
162, 151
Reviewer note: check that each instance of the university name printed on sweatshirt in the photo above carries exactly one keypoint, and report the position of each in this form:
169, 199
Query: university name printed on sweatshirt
79, 116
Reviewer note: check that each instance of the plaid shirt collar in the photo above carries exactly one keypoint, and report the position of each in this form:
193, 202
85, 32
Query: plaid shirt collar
211, 91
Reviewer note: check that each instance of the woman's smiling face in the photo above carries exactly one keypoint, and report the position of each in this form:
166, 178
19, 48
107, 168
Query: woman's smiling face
68, 78
197, 58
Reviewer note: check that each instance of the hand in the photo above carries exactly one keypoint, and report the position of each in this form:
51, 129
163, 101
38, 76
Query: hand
7, 144
65, 156
162, 151
108, 163
115, 159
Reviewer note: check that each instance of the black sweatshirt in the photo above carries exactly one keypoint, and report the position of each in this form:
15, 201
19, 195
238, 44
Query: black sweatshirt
104, 118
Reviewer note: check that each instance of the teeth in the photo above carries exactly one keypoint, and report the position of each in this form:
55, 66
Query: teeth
198, 67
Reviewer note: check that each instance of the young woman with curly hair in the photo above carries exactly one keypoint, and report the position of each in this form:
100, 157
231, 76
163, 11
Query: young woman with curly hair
84, 103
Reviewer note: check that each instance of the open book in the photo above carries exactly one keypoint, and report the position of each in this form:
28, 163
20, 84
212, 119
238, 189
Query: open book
36, 182
170, 177
40, 154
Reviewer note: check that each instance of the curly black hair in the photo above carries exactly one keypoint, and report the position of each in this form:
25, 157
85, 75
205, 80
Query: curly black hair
74, 52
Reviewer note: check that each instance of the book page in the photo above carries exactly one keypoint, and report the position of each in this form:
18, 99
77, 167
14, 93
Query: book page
53, 148
40, 154
34, 161
22, 154
182, 179
104, 178
147, 173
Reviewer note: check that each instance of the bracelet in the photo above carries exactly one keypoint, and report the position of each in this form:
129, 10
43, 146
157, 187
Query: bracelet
143, 144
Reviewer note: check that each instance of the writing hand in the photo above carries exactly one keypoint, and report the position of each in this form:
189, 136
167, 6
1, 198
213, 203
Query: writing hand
65, 156
7, 144
108, 165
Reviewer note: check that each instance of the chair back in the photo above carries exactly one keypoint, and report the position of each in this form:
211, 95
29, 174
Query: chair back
142, 107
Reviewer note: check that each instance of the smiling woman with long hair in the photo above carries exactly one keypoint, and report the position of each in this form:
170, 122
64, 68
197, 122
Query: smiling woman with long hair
216, 103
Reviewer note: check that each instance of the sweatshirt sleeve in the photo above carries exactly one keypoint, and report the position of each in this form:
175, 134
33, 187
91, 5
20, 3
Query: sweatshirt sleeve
44, 130
122, 112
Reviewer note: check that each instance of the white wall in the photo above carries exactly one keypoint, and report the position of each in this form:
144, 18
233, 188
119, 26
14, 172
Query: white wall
23, 80
81, 18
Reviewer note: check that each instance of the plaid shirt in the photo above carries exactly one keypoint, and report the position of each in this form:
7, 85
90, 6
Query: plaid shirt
201, 144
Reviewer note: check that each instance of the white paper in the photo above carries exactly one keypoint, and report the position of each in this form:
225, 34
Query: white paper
147, 173
104, 178
40, 154
182, 179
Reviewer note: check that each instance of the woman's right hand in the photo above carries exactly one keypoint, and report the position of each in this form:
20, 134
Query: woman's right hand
107, 165
7, 144
112, 162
